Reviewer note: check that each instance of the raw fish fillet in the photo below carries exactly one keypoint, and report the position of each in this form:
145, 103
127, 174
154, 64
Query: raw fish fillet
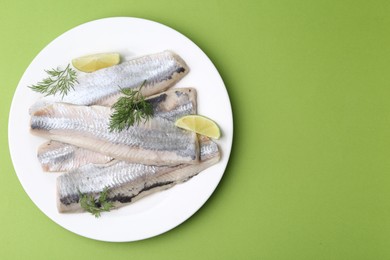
57, 156
155, 142
128, 182
102, 87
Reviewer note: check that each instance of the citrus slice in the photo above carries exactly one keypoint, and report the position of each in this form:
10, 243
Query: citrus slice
199, 124
95, 62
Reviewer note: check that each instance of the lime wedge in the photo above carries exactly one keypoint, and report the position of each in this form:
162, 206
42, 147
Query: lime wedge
199, 124
95, 62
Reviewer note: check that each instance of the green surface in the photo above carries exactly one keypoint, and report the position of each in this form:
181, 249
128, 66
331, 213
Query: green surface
309, 171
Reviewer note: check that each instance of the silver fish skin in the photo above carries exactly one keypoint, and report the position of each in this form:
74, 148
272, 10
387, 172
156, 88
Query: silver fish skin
157, 141
102, 87
57, 156
128, 182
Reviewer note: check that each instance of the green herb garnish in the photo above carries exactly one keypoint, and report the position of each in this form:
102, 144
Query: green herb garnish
95, 205
59, 81
130, 109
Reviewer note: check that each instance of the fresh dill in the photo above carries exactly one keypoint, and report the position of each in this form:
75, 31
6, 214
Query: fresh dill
95, 205
130, 109
59, 81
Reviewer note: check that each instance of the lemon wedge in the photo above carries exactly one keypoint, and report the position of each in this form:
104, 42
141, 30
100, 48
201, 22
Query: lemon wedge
199, 124
95, 62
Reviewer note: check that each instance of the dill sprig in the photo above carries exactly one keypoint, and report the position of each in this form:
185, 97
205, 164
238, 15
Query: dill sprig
59, 81
95, 205
130, 109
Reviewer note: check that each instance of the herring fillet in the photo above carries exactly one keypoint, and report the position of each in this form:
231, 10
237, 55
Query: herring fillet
128, 182
156, 141
102, 87
57, 156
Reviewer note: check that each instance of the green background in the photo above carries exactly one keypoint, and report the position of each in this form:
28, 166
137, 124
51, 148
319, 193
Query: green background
308, 176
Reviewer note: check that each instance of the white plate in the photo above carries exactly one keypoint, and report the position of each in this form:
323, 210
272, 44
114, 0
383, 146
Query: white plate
159, 212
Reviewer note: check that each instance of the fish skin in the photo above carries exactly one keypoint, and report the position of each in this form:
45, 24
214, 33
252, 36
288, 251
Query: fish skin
56, 156
128, 182
156, 141
102, 87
